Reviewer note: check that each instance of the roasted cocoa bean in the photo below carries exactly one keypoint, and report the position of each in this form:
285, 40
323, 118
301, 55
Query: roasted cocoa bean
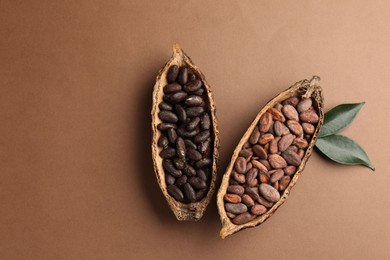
197, 183
194, 155
181, 181
276, 175
202, 136
293, 101
290, 170
165, 106
189, 192
172, 88
308, 128
183, 75
280, 129
240, 178
175, 192
251, 176
300, 143
193, 86
168, 166
192, 124
205, 122
193, 101
168, 152
177, 97
172, 73
168, 117
295, 128
240, 165
163, 141
172, 135
259, 166
254, 138
165, 126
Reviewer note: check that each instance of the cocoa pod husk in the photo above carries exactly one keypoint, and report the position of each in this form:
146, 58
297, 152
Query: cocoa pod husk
305, 89
183, 211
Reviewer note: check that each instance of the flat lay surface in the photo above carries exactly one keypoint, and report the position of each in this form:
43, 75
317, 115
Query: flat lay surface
76, 81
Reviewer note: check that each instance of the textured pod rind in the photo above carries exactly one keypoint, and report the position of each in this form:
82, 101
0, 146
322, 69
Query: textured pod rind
183, 211
304, 88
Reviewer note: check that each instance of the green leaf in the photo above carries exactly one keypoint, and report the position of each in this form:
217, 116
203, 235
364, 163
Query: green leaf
343, 150
339, 117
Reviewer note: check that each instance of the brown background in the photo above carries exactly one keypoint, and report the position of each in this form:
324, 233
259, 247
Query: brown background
76, 79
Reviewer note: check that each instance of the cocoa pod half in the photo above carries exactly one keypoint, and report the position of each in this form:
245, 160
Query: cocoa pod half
285, 163
183, 106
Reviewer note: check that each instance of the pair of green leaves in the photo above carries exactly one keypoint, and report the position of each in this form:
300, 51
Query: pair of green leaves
340, 148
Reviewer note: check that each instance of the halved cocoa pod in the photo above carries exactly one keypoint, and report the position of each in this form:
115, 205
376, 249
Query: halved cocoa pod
283, 159
185, 137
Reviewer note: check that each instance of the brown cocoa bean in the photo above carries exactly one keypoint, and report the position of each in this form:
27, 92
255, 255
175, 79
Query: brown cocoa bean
181, 181
266, 164
308, 128
273, 145
230, 215
258, 209
236, 208
205, 122
290, 170
232, 198
247, 200
280, 129
200, 194
284, 183
172, 88
290, 112
276, 175
246, 153
265, 122
269, 192
189, 192
168, 117
169, 179
172, 135
180, 148
165, 106
293, 101
168, 152
175, 192
193, 101
176, 97
192, 124
194, 154
197, 183
309, 116
266, 138
275, 185
168, 166
304, 104
179, 163
240, 165
259, 166
181, 113
165, 126
183, 75
301, 153
278, 106
276, 115
260, 152
236, 189
240, 178
193, 86
189, 171
291, 157
264, 177
163, 141
251, 176
300, 143
189, 144
203, 174
202, 136
172, 73
254, 138
295, 128
203, 163
285, 142
276, 161
243, 218
194, 111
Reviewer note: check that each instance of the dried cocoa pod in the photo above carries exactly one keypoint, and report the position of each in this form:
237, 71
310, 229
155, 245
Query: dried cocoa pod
182, 100
283, 112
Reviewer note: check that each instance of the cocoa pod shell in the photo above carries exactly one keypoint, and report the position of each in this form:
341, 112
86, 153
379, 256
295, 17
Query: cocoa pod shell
305, 89
183, 211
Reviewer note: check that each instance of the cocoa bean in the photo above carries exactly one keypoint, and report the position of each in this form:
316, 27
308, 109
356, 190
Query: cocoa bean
276, 161
232, 198
265, 122
276, 115
242, 218
258, 209
290, 112
236, 208
285, 142
269, 192
291, 157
